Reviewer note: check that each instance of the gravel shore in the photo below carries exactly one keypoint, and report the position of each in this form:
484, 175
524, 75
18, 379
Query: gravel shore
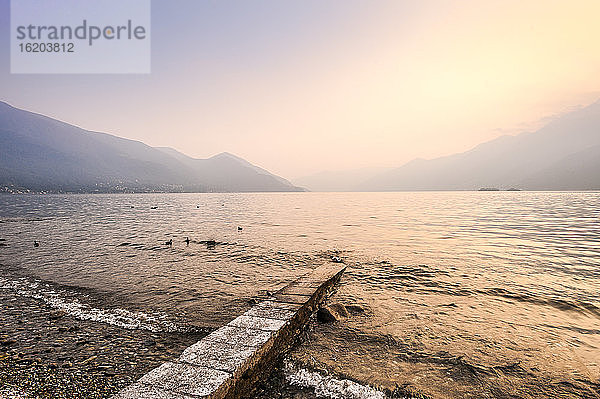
45, 353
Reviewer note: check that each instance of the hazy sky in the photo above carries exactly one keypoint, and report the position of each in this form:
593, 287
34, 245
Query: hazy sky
308, 85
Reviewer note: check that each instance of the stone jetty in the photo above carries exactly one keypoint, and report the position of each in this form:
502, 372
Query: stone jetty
230, 361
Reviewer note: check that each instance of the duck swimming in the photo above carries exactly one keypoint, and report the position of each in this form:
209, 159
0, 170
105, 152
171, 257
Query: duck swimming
36, 244
187, 240
169, 243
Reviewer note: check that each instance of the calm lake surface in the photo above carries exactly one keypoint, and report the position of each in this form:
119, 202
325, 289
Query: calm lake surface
502, 285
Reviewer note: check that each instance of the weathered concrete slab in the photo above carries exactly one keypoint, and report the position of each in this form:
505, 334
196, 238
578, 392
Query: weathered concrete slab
257, 323
142, 391
290, 298
187, 379
321, 274
227, 362
240, 335
305, 281
303, 290
217, 355
273, 303
271, 311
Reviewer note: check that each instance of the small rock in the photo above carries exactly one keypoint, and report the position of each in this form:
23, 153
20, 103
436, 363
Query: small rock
333, 312
89, 359
450, 305
55, 315
355, 309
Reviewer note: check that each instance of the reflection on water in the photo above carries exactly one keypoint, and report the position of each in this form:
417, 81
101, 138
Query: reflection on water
464, 292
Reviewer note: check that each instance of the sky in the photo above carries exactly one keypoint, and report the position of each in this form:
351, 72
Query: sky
299, 87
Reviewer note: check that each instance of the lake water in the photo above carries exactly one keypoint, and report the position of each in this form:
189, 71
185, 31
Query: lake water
466, 294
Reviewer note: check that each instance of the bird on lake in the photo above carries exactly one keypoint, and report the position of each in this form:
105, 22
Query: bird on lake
36, 244
169, 243
239, 228
187, 240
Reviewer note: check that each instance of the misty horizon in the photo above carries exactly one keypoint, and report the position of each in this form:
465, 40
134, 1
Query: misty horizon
541, 123
561, 155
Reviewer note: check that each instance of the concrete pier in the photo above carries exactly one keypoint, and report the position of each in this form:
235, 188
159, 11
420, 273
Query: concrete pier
228, 362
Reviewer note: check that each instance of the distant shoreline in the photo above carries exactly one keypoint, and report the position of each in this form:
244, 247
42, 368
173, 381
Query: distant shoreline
289, 192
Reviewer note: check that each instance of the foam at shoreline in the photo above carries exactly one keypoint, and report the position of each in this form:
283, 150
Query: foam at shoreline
117, 317
328, 386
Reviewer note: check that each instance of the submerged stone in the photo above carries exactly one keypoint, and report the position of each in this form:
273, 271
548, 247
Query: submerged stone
331, 313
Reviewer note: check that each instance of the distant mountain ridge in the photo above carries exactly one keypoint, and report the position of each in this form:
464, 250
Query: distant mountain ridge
39, 153
338, 181
563, 155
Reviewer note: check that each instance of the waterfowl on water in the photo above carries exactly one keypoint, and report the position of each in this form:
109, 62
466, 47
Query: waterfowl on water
169, 243
187, 240
239, 228
36, 244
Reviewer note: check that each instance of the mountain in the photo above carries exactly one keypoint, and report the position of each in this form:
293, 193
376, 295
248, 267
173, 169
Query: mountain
342, 180
38, 153
563, 155
231, 173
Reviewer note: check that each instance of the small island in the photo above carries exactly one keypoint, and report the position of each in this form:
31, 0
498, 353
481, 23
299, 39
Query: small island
497, 189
